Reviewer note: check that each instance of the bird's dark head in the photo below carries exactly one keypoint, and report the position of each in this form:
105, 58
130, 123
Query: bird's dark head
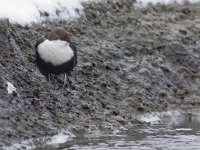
58, 34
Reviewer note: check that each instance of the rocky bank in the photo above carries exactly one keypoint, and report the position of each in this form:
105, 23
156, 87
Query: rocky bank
130, 61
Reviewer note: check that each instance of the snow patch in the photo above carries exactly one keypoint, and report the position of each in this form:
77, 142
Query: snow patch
144, 3
58, 139
156, 117
25, 12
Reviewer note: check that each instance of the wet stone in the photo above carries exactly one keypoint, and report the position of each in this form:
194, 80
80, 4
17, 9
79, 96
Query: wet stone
129, 60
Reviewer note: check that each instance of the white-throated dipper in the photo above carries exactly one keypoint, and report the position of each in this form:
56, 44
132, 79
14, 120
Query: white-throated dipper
56, 54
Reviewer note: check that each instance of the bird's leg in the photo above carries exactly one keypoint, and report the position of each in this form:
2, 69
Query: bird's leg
65, 76
49, 75
68, 77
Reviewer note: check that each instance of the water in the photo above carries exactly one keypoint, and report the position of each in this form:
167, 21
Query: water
171, 133
171, 130
150, 138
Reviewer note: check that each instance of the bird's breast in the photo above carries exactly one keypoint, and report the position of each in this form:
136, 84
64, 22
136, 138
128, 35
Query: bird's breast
55, 52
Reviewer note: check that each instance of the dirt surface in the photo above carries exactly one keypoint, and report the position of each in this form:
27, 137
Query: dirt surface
130, 61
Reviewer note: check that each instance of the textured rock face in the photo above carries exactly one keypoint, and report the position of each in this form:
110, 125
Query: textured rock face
129, 61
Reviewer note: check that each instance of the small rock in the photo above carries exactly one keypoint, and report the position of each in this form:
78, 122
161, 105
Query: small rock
183, 32
11, 89
119, 119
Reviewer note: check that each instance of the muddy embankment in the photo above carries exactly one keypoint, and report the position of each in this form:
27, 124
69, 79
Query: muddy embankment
130, 61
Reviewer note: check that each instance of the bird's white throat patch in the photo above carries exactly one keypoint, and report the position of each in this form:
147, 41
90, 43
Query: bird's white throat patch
55, 52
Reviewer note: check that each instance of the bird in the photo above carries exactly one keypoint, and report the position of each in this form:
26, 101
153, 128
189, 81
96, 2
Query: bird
55, 53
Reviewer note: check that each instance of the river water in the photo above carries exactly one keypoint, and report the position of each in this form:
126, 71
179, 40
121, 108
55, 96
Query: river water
173, 130
164, 131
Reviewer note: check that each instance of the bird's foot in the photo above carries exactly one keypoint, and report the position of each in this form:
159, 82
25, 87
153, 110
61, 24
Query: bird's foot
63, 80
